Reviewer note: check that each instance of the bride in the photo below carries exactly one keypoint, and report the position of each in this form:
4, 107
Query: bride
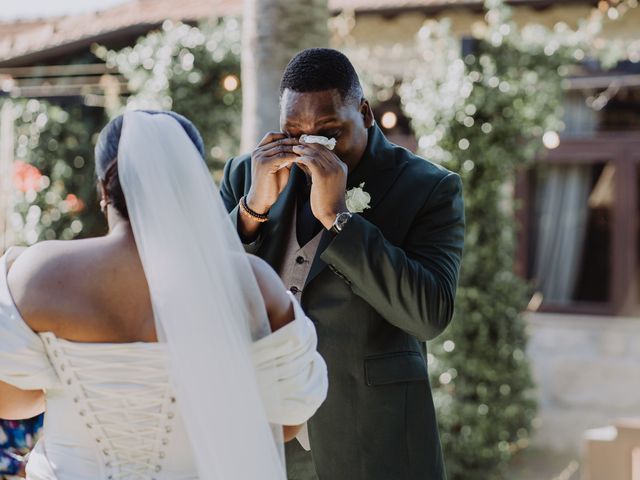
160, 350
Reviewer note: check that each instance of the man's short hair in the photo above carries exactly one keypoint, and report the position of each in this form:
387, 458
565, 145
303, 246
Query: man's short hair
319, 69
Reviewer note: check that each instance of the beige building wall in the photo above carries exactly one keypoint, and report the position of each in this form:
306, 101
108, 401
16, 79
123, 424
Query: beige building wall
390, 42
377, 30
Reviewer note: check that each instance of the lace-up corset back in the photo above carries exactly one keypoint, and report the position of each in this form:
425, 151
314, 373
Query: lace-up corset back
131, 416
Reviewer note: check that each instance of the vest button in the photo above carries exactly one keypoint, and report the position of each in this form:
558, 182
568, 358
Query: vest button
300, 260
294, 290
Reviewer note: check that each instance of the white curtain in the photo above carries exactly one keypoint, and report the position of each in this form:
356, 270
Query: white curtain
562, 205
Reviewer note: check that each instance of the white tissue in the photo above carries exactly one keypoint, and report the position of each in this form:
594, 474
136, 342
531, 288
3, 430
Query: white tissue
330, 143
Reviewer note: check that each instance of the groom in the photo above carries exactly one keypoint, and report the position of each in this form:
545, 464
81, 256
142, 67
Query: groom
377, 283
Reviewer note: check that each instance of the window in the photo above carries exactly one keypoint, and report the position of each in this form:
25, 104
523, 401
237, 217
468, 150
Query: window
580, 214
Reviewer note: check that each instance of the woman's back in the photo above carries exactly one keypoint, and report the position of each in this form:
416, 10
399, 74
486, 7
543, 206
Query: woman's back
91, 290
111, 412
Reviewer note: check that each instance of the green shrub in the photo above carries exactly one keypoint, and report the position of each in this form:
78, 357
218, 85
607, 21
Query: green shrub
191, 70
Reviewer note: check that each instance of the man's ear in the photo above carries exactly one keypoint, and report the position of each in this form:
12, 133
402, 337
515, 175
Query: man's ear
366, 112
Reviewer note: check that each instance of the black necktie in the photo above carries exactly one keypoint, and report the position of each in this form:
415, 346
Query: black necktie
307, 226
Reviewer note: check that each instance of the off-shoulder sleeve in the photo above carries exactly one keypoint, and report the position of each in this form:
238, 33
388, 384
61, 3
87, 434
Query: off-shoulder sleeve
292, 376
23, 360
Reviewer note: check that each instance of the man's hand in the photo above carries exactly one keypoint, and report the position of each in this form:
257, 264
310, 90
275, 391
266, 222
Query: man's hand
271, 163
329, 181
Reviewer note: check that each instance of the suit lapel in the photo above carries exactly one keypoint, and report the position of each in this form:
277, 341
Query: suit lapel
318, 265
378, 169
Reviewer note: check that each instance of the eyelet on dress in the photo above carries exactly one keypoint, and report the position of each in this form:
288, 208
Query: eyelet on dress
170, 415
158, 468
162, 455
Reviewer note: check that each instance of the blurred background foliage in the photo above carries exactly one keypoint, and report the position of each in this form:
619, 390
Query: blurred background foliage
192, 70
54, 180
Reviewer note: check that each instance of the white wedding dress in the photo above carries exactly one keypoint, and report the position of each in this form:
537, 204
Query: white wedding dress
207, 401
111, 412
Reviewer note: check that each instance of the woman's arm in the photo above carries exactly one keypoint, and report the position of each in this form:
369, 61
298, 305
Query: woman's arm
16, 404
290, 432
274, 293
279, 310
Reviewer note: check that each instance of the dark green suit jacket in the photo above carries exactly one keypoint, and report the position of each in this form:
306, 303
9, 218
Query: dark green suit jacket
376, 292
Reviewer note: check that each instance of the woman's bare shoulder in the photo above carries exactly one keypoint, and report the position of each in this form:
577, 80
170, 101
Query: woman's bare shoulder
25, 263
43, 271
39, 260
273, 292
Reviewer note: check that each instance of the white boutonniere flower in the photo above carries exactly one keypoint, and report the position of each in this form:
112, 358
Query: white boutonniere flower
357, 199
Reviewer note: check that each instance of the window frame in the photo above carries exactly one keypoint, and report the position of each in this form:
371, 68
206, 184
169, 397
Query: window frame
623, 151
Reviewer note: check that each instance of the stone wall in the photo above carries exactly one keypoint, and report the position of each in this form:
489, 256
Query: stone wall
587, 370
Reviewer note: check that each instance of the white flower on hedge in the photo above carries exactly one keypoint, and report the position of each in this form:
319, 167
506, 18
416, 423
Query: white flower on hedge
357, 199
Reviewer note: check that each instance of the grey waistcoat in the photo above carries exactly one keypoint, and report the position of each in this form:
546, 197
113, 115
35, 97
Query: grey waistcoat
297, 261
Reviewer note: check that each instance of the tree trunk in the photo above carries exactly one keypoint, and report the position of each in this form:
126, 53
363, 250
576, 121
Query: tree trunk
273, 32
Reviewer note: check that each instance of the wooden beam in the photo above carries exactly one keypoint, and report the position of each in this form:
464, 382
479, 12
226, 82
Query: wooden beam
435, 7
57, 70
60, 90
625, 233
66, 81
597, 82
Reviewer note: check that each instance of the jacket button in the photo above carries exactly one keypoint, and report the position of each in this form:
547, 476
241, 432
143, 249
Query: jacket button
300, 260
294, 290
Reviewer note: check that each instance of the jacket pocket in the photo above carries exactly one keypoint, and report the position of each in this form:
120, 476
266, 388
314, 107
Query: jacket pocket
395, 367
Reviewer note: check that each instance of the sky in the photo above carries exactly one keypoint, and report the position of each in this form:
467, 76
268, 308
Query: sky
25, 9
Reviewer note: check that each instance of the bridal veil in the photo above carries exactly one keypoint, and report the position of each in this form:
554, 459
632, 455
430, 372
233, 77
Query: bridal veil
206, 301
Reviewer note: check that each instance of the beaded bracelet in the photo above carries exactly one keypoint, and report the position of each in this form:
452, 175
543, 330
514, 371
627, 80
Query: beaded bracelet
245, 210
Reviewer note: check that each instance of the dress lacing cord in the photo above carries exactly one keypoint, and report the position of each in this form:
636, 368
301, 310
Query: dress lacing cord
131, 424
